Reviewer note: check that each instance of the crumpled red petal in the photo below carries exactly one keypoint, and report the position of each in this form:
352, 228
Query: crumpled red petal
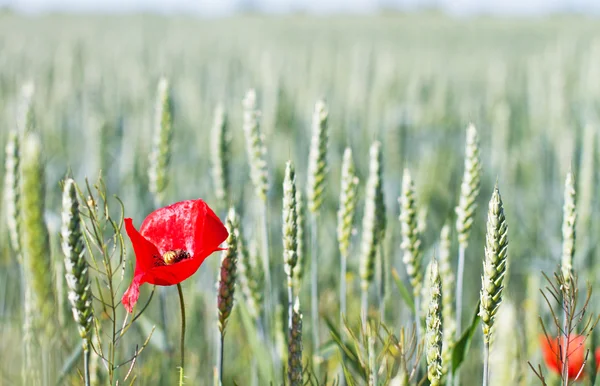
130, 297
145, 252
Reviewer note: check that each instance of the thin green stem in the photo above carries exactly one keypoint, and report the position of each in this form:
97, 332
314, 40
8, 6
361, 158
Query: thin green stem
486, 363
364, 305
86, 364
459, 287
314, 289
267, 299
181, 302
221, 351
459, 294
343, 265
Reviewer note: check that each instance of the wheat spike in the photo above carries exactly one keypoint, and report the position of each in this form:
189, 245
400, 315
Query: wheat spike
76, 267
348, 200
433, 337
160, 156
317, 158
228, 272
494, 265
34, 234
568, 227
255, 145
469, 188
12, 194
220, 155
411, 237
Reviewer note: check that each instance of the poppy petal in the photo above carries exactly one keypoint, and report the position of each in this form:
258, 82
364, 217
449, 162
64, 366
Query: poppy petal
145, 252
130, 297
175, 273
173, 227
210, 233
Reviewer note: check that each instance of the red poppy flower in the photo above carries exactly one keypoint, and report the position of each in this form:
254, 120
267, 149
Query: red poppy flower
575, 356
172, 244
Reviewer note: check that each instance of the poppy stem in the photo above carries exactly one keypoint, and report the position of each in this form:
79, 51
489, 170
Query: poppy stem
486, 363
182, 332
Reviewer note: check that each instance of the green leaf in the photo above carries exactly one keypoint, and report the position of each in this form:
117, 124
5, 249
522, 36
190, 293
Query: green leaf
404, 292
462, 346
258, 347
348, 350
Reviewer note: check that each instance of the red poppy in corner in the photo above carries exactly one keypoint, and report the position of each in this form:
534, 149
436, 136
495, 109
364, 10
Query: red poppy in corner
575, 357
172, 244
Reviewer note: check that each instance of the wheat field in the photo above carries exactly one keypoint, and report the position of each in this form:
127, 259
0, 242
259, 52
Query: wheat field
470, 184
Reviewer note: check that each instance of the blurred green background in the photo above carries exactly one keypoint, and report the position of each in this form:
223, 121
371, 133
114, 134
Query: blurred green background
413, 81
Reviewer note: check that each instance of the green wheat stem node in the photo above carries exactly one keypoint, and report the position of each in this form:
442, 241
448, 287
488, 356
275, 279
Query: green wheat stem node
469, 188
317, 158
494, 270
76, 267
227, 278
12, 194
160, 156
345, 220
568, 227
411, 237
220, 155
447, 278
433, 337
372, 225
295, 347
35, 240
255, 145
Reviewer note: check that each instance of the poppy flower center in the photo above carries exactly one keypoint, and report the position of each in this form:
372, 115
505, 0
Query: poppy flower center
175, 256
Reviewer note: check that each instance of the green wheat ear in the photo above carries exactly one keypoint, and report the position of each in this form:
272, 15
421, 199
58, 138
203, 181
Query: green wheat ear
250, 274
348, 200
411, 237
469, 189
34, 234
255, 145
568, 227
300, 221
290, 224
317, 158
160, 157
228, 272
220, 155
447, 277
433, 337
76, 267
12, 194
372, 220
494, 265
